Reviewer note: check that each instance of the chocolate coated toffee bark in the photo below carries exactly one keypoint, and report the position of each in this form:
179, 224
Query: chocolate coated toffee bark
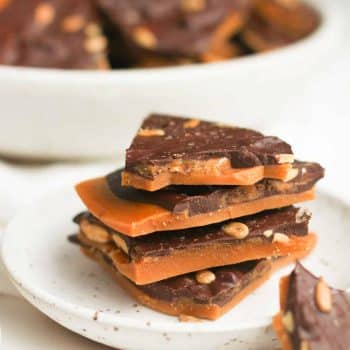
275, 24
260, 36
162, 255
134, 213
206, 294
294, 18
171, 150
313, 315
176, 28
51, 34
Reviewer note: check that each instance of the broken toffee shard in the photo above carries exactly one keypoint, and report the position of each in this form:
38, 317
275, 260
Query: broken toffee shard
134, 213
162, 255
52, 34
273, 24
176, 151
175, 29
313, 315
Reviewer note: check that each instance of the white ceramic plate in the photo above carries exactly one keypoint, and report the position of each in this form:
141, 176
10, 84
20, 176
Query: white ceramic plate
55, 277
86, 114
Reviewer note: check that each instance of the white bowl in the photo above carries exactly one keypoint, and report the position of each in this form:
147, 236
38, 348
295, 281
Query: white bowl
54, 276
80, 114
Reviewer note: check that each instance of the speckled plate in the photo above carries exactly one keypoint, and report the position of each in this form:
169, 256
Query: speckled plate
72, 290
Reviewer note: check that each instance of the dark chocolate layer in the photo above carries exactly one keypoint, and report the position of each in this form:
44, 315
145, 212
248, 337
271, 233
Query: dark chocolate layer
51, 34
229, 281
174, 29
245, 148
321, 330
195, 200
286, 220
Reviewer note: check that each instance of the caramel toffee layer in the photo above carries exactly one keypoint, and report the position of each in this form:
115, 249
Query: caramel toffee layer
195, 200
164, 139
262, 226
314, 316
182, 28
51, 34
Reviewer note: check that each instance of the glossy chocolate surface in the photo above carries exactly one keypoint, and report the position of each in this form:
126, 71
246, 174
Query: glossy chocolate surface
245, 148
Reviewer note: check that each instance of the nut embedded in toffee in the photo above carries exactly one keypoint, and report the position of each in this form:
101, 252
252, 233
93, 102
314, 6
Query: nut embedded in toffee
236, 229
280, 238
73, 23
44, 13
321, 315
205, 277
288, 321
193, 5
144, 37
192, 123
323, 296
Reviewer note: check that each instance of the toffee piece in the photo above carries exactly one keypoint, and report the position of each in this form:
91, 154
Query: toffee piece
52, 34
274, 24
205, 294
134, 213
162, 255
259, 35
294, 18
175, 28
172, 150
313, 315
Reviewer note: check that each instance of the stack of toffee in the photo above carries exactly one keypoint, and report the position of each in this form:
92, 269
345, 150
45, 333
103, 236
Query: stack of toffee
201, 215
